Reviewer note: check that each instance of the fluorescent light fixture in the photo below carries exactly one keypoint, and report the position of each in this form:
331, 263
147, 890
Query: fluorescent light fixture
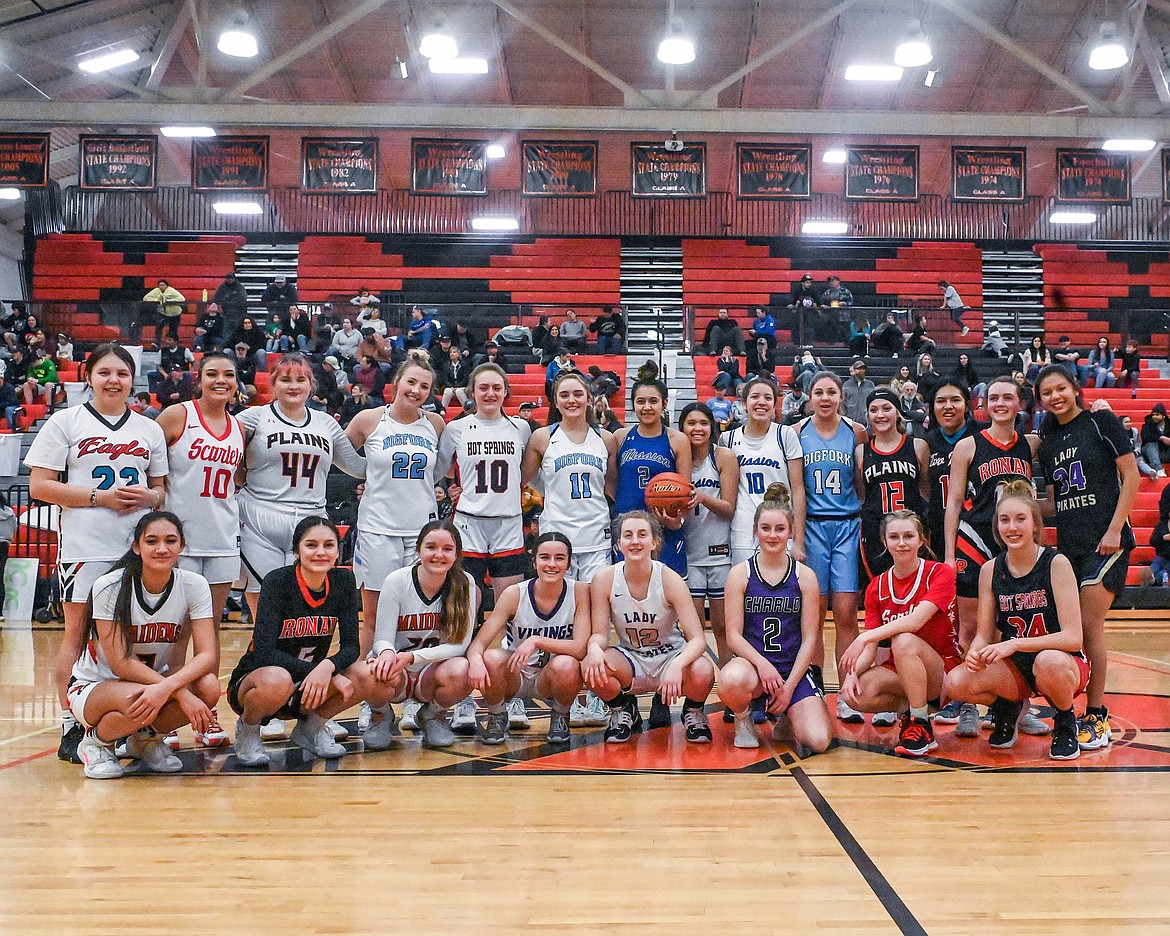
873, 73
495, 151
9, 194
914, 50
468, 65
237, 42
930, 76
238, 208
183, 132
1072, 217
1129, 146
825, 227
495, 224
1109, 52
402, 70
438, 45
676, 50
103, 63
835, 156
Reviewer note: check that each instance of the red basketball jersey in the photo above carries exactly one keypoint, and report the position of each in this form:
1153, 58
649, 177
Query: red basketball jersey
889, 598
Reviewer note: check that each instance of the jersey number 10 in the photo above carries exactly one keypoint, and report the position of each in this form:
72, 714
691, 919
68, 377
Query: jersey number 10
217, 482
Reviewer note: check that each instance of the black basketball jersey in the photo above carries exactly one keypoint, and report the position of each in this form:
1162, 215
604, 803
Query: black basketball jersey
891, 483
1025, 606
939, 472
994, 464
1079, 460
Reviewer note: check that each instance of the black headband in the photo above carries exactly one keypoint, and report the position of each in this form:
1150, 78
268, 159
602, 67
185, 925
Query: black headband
882, 393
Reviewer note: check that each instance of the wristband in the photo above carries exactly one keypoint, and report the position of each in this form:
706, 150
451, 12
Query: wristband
93, 497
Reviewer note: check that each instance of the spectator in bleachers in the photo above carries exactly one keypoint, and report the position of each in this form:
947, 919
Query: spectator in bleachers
210, 329
912, 408
603, 382
253, 336
375, 346
1101, 361
491, 354
888, 338
760, 362
918, 342
1067, 357
793, 405
297, 327
610, 329
804, 366
451, 376
278, 296
369, 374
1036, 357
319, 345
465, 340
39, 341
327, 395
835, 295
364, 301
420, 333
728, 364
232, 298
170, 357
856, 390
548, 348
42, 378
1156, 438
166, 308
13, 326
144, 405
345, 342
357, 400
1131, 365
859, 334
928, 379
524, 411
173, 388
966, 375
832, 300
722, 330
371, 317
10, 404
900, 377
606, 417
720, 405
1135, 443
65, 349
1160, 540
764, 326
540, 333
247, 362
993, 343
573, 332
954, 305
561, 362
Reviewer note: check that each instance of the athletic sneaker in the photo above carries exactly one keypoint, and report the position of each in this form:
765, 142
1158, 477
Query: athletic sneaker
745, 732
249, 748
150, 751
1030, 724
759, 710
965, 329
728, 715
463, 720
312, 735
592, 714
433, 722
1093, 732
97, 757
849, 716
495, 729
885, 719
409, 719
948, 714
698, 729
1065, 742
274, 730
968, 726
518, 719
338, 730
171, 740
365, 717
71, 735
916, 737
381, 731
558, 728
624, 721
1004, 716
659, 713
214, 736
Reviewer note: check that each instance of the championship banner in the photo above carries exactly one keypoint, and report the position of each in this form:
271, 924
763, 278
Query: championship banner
656, 172
118, 163
559, 168
448, 167
230, 164
771, 170
24, 160
984, 173
881, 173
330, 166
1092, 177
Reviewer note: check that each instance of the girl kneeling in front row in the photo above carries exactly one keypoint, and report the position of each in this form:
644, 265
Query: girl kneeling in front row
133, 678
287, 671
547, 626
773, 625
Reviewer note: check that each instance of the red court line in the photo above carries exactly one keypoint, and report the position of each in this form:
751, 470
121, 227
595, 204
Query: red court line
25, 760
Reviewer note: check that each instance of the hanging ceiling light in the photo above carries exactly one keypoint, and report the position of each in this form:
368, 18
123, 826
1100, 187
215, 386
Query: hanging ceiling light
438, 45
676, 50
1109, 52
237, 41
915, 49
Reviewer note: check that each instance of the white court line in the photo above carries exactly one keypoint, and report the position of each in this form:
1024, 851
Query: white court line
1133, 656
31, 734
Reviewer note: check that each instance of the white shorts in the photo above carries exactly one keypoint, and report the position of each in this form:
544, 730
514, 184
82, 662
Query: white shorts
583, 566
647, 669
490, 536
266, 538
409, 688
376, 555
707, 581
218, 570
742, 553
77, 695
76, 578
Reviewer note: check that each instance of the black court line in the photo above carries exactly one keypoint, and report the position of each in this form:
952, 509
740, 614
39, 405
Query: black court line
903, 918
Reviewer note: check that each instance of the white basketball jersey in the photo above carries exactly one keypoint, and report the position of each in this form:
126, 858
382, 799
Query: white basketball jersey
707, 534
95, 453
288, 463
401, 605
648, 627
762, 462
529, 622
400, 477
201, 488
161, 623
487, 457
573, 477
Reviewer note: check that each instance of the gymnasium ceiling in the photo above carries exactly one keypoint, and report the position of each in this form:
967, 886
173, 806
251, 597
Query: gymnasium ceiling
1008, 71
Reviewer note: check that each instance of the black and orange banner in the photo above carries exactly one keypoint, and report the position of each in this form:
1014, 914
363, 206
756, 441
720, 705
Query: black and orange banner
881, 173
773, 170
24, 160
991, 174
230, 164
448, 167
1092, 177
656, 172
555, 168
330, 166
118, 163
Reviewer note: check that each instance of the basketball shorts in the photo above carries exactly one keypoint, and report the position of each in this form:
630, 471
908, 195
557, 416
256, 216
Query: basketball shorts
810, 686
1022, 663
742, 552
647, 669
409, 688
885, 658
77, 695
492, 545
376, 555
973, 548
832, 547
876, 557
707, 581
218, 570
76, 578
529, 674
583, 566
266, 537
291, 709
1095, 569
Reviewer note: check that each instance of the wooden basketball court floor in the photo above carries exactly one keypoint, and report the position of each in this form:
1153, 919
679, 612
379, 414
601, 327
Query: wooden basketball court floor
655, 836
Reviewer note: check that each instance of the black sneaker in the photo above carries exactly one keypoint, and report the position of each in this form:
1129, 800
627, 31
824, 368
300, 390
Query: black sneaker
624, 721
1004, 715
69, 741
1065, 745
728, 716
659, 713
916, 737
694, 719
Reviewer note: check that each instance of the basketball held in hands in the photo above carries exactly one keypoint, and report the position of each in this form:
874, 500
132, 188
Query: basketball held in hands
668, 492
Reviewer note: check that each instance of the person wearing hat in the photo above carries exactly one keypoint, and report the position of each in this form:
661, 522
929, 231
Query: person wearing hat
527, 408
830, 321
42, 378
247, 363
492, 354
173, 388
232, 298
332, 382
278, 296
993, 343
856, 390
763, 326
759, 359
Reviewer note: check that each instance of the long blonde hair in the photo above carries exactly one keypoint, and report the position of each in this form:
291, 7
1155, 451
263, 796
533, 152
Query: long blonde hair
1021, 490
456, 614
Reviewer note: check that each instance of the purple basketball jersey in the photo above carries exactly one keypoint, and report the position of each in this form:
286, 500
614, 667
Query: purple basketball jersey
771, 616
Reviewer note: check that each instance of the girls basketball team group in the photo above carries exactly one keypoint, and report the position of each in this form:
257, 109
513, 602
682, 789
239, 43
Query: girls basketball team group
779, 520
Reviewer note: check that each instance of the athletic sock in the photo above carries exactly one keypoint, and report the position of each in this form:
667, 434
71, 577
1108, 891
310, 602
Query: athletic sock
559, 708
1099, 710
498, 709
920, 713
691, 703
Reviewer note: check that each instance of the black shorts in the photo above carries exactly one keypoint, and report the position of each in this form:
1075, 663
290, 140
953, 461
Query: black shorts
1023, 663
974, 547
497, 566
1094, 569
290, 710
875, 558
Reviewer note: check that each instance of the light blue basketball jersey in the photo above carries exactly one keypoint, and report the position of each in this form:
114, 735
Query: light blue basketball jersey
828, 472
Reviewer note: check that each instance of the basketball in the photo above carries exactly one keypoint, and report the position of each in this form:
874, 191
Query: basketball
668, 491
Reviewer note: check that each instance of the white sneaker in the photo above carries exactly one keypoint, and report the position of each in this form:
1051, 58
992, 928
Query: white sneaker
214, 736
849, 715
249, 748
463, 717
885, 719
964, 330
1030, 724
312, 735
365, 717
434, 726
409, 719
745, 732
153, 754
592, 714
380, 733
517, 715
98, 759
171, 739
275, 730
338, 730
